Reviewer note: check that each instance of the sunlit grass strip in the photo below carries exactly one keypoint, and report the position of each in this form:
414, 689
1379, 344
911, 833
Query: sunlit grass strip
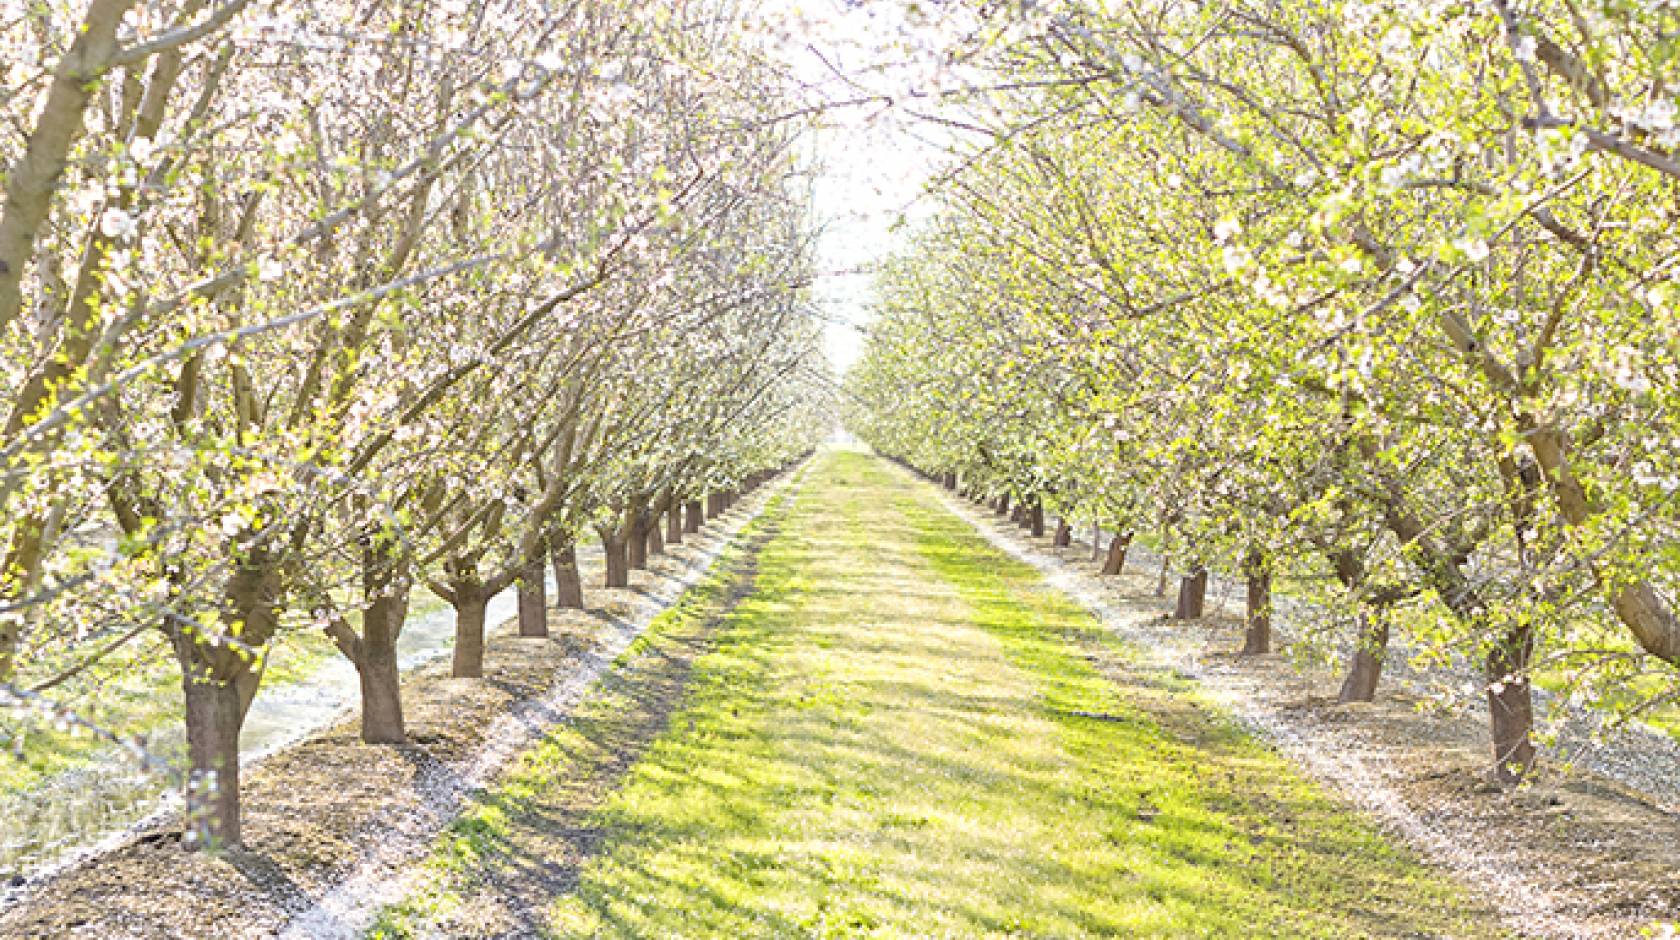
1223, 836
482, 830
897, 735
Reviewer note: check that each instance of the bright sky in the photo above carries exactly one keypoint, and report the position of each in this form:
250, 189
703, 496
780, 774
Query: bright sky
874, 159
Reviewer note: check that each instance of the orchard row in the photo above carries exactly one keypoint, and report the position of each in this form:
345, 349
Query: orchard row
308, 305
1376, 299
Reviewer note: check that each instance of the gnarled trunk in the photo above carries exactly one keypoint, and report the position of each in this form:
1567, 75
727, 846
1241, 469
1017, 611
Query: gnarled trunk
533, 600
568, 583
1257, 637
471, 602
1117, 548
1365, 666
1192, 594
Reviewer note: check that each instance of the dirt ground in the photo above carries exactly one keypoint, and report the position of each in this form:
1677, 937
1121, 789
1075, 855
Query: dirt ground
317, 809
1571, 854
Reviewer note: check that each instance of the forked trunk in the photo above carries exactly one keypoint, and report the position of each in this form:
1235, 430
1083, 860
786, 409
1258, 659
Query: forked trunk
471, 602
533, 600
1511, 706
1117, 548
218, 684
694, 517
1192, 594
1257, 638
568, 583
1365, 666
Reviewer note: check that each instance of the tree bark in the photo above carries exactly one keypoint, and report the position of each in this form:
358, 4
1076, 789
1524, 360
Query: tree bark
1192, 594
655, 541
636, 540
215, 715
376, 660
618, 561
1511, 705
1365, 666
1064, 534
1003, 505
674, 522
1096, 541
1035, 519
218, 682
1117, 548
714, 504
568, 583
533, 600
1257, 638
695, 516
470, 603
1161, 580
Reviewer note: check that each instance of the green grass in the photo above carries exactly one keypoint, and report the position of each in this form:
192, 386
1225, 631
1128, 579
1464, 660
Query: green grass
892, 737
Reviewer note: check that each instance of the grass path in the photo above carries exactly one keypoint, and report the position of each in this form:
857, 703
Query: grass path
901, 732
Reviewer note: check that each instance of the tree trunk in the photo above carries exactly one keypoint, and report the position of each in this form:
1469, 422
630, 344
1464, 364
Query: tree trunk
470, 605
696, 515
714, 504
1365, 666
218, 683
215, 714
674, 523
655, 541
951, 481
1257, 639
376, 666
636, 540
1096, 541
1161, 581
618, 560
1192, 594
1064, 534
1035, 519
1511, 706
1116, 560
568, 583
533, 600
1003, 505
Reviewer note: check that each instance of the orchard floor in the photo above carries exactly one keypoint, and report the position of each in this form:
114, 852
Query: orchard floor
871, 722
